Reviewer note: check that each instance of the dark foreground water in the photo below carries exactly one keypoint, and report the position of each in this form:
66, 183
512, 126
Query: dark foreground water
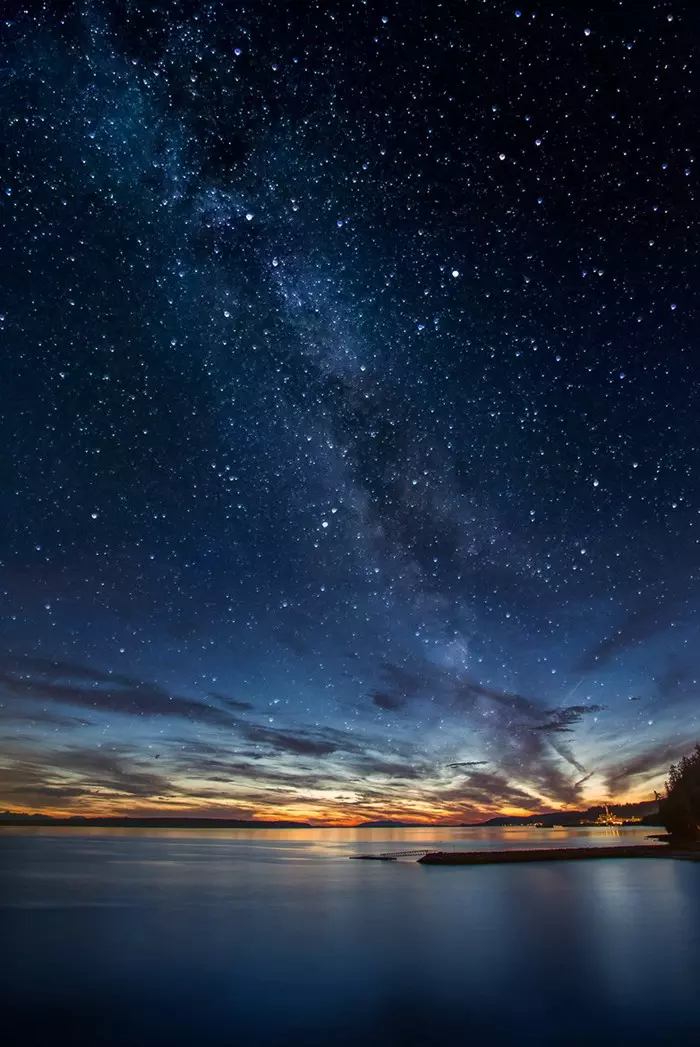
172, 938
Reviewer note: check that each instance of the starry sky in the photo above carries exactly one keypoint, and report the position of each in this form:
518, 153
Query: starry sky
350, 406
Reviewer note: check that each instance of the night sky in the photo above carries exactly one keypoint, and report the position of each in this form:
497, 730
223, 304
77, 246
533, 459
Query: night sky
349, 357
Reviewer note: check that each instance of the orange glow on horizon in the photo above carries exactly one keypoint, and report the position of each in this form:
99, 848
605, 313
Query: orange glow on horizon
319, 815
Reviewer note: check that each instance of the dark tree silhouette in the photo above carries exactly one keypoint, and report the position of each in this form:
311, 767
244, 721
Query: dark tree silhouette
680, 808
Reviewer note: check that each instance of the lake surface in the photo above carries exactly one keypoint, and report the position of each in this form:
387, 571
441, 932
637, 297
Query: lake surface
163, 937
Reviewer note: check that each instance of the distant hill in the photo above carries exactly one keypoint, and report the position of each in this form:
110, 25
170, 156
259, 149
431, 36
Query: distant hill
10, 818
645, 812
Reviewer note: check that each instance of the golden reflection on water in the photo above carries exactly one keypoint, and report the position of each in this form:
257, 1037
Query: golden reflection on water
343, 841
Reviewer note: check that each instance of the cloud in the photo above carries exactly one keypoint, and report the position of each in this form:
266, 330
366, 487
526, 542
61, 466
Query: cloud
231, 703
115, 771
38, 793
223, 765
525, 741
73, 772
298, 744
42, 717
387, 701
676, 682
384, 767
288, 757
404, 681
647, 764
562, 721
652, 614
492, 791
302, 742
469, 764
468, 692
399, 686
70, 684
525, 737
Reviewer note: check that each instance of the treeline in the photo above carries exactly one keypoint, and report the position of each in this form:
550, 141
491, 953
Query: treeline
680, 807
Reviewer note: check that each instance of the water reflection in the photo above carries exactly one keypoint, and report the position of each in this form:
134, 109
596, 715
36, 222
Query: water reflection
191, 937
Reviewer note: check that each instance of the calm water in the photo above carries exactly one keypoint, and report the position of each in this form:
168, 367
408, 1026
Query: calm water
172, 938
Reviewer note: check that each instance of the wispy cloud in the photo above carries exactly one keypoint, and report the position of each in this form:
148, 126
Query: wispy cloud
651, 614
70, 684
387, 701
490, 791
563, 720
468, 764
649, 763
73, 773
231, 703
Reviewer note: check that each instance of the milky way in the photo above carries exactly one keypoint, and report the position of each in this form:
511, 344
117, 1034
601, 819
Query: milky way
349, 407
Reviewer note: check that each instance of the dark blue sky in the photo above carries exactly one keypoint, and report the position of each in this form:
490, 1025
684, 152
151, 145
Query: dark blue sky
350, 399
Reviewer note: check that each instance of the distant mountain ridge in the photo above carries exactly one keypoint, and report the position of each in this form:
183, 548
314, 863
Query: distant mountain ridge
116, 822
642, 812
